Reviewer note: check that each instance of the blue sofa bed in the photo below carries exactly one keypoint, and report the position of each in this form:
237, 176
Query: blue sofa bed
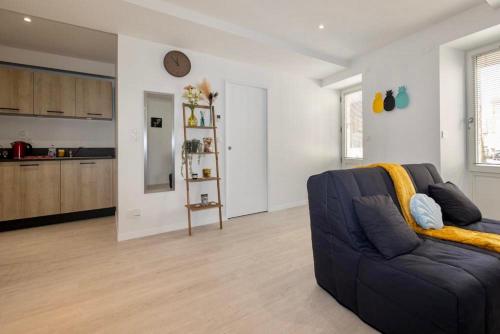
439, 287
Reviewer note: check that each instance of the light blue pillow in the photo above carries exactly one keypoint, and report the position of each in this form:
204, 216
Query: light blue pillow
426, 212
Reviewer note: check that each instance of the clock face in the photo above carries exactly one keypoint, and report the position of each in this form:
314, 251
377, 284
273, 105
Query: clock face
177, 64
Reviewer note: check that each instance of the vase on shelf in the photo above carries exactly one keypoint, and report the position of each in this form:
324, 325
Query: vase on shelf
202, 118
192, 120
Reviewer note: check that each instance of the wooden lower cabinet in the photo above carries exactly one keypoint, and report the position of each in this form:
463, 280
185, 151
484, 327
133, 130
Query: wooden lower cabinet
40, 188
86, 185
10, 196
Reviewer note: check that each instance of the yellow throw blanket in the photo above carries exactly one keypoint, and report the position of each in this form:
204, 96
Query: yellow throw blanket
405, 190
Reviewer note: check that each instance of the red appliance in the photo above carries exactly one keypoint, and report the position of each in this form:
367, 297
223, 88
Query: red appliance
20, 149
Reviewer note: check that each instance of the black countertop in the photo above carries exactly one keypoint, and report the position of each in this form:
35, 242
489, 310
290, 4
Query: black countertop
88, 153
56, 159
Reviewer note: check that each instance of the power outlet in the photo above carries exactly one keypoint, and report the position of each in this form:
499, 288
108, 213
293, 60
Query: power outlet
134, 213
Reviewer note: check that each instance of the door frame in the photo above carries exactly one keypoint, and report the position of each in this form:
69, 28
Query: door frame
346, 163
226, 123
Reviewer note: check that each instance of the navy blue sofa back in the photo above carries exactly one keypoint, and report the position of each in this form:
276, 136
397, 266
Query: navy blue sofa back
330, 198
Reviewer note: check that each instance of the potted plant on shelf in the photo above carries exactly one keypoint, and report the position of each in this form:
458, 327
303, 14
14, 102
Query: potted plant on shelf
192, 96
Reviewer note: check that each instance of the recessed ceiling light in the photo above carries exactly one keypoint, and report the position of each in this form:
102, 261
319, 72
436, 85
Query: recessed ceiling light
321, 27
27, 19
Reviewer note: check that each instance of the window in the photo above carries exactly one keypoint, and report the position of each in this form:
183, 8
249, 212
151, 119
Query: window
484, 121
352, 123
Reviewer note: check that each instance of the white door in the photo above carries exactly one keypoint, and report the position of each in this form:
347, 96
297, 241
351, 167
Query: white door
246, 150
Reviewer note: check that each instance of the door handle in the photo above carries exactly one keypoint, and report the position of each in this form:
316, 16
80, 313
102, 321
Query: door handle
56, 111
87, 163
30, 165
470, 121
10, 109
229, 148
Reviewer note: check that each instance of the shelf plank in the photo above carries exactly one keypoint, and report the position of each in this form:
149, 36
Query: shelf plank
198, 106
203, 179
202, 153
199, 207
201, 127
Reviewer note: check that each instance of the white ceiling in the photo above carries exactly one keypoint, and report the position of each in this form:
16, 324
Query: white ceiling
281, 34
54, 37
352, 27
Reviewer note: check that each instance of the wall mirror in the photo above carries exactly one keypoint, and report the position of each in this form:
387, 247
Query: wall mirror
159, 146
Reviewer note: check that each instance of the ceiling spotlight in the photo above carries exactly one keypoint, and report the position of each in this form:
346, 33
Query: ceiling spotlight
27, 19
321, 27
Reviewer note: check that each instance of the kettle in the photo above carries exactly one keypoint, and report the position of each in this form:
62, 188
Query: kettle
20, 149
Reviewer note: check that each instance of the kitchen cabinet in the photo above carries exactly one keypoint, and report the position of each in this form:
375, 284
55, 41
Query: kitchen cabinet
55, 94
16, 91
94, 98
40, 188
10, 198
86, 185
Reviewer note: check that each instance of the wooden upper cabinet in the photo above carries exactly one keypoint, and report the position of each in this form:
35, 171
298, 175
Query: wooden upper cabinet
16, 91
54, 94
40, 188
86, 185
94, 98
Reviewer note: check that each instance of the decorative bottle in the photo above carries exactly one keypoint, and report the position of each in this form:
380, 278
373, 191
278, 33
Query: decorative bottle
192, 120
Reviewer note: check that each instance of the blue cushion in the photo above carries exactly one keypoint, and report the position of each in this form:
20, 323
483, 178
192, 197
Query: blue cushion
426, 212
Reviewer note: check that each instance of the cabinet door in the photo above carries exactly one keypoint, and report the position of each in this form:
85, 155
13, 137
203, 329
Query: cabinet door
94, 98
86, 185
16, 91
54, 94
40, 184
10, 200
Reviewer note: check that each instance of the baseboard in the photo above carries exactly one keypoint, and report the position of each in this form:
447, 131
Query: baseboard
18, 224
123, 236
285, 206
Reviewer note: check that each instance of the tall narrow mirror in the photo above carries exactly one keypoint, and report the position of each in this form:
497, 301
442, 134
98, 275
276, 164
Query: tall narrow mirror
159, 147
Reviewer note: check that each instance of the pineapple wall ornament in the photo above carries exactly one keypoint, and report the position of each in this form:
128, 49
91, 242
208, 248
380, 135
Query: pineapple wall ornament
389, 101
402, 99
378, 103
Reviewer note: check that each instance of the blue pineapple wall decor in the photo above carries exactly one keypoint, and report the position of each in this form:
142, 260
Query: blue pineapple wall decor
402, 99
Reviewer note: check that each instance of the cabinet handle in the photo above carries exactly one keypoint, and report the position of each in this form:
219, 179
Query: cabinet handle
56, 111
10, 109
87, 163
30, 165
93, 114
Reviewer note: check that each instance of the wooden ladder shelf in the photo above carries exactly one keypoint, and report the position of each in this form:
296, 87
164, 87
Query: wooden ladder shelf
198, 207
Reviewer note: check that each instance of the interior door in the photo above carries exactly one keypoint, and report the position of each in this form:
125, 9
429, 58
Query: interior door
246, 150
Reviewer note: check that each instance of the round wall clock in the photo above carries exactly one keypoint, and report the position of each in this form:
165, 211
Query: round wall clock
177, 64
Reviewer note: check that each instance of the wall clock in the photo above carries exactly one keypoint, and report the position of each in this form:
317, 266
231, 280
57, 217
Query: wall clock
177, 64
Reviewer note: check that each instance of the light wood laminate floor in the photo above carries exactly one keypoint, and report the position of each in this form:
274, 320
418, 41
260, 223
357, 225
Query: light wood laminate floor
255, 276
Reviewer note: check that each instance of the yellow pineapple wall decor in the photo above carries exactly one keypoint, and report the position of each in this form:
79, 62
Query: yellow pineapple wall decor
378, 103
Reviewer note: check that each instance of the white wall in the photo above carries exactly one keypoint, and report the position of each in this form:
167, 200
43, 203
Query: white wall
413, 135
49, 60
44, 132
303, 137
452, 75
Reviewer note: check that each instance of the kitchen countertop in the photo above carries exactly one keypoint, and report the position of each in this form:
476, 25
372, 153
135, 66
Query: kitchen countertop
56, 159
81, 153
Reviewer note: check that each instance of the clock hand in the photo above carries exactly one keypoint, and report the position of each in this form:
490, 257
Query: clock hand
176, 60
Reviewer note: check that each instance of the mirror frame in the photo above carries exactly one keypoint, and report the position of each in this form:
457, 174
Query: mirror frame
146, 126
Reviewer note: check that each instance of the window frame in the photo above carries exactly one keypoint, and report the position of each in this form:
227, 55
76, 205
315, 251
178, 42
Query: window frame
343, 133
471, 116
